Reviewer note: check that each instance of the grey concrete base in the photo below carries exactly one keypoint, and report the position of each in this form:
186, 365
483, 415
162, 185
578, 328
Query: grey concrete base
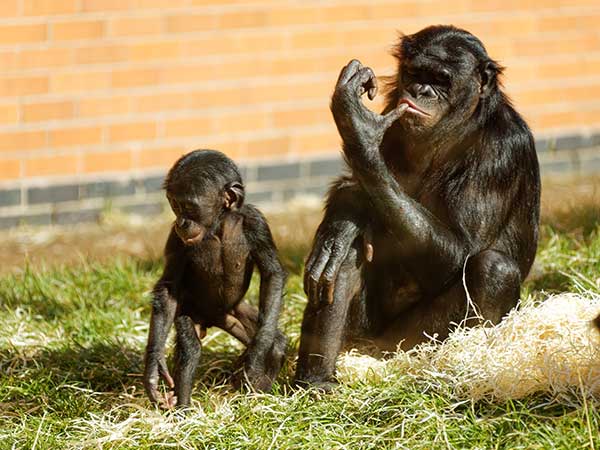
267, 184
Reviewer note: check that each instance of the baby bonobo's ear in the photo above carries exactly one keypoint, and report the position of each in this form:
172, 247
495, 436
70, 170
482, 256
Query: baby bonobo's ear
234, 195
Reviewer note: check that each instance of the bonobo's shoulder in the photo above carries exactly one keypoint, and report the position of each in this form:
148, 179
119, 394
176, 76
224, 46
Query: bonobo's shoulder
343, 182
253, 218
508, 121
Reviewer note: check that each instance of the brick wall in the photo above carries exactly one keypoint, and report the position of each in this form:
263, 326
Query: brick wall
109, 92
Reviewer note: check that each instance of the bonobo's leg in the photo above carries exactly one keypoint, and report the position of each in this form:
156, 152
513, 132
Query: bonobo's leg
242, 324
493, 280
248, 317
324, 325
187, 356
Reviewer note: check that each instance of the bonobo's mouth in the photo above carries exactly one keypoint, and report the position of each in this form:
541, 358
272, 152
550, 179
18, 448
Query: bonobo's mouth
193, 240
188, 239
412, 108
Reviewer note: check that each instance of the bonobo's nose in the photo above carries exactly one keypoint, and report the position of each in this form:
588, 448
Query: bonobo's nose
422, 90
183, 223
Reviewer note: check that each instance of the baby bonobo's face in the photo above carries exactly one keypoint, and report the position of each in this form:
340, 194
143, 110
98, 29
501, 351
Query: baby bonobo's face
194, 214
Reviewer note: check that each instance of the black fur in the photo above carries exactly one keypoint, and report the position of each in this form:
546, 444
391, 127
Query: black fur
445, 179
214, 244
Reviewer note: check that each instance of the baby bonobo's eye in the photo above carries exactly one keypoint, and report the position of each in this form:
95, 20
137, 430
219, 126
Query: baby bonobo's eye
174, 205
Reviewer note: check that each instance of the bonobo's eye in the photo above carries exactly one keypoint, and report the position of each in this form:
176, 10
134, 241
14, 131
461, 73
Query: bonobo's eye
174, 205
443, 77
409, 72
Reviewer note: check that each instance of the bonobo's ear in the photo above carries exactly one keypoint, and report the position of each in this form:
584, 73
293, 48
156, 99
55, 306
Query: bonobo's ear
234, 195
489, 72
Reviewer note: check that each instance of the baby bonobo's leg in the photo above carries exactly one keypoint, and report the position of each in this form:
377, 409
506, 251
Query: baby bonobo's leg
242, 323
187, 355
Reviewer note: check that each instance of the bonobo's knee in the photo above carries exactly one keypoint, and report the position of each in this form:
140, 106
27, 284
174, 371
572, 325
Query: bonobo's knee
494, 281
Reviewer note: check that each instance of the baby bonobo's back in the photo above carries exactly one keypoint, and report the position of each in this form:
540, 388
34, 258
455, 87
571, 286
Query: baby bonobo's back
213, 246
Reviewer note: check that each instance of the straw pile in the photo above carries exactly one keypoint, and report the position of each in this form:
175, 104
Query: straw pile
548, 346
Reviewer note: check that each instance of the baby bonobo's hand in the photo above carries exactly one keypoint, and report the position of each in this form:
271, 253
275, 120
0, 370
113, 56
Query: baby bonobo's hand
361, 129
154, 370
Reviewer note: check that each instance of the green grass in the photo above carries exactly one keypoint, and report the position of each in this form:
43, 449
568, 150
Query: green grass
71, 346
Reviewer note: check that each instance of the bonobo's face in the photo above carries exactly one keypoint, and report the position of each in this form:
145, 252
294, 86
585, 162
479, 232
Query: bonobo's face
440, 84
194, 213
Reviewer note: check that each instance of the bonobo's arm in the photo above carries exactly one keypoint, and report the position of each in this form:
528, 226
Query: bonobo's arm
164, 305
344, 220
422, 236
272, 281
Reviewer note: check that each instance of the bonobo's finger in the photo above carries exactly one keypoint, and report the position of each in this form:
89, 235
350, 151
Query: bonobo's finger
308, 266
348, 72
372, 88
330, 273
367, 239
315, 275
394, 115
363, 80
164, 373
151, 386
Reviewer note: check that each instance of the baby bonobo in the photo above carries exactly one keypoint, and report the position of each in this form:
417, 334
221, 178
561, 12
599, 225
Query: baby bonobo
209, 257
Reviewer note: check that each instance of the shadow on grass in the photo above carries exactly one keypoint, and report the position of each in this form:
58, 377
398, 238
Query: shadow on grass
51, 376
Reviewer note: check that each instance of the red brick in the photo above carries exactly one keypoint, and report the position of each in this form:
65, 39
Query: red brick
162, 157
22, 34
277, 146
19, 86
246, 19
132, 131
98, 107
75, 136
136, 26
189, 127
104, 5
9, 114
9, 8
102, 54
79, 81
49, 7
132, 78
47, 58
38, 112
22, 140
10, 169
185, 23
94, 162
88, 29
51, 165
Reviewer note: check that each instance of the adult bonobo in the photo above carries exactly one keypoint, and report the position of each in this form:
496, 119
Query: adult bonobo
444, 186
210, 254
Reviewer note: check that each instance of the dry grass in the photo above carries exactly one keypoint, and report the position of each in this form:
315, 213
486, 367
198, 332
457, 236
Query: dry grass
544, 346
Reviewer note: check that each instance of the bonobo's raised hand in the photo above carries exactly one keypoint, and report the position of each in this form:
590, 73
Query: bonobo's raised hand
361, 129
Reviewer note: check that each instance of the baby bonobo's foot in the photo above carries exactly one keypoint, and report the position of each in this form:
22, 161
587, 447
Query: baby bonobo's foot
169, 401
261, 378
276, 356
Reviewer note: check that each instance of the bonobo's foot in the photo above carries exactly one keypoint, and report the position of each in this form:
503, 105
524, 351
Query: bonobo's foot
261, 378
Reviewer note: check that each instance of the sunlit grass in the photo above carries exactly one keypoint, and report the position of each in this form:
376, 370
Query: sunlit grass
71, 347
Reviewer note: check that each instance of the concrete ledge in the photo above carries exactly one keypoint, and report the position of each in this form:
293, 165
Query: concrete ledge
267, 183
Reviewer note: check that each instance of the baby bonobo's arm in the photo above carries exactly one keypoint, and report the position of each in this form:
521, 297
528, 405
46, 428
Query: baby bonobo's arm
267, 350
164, 305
